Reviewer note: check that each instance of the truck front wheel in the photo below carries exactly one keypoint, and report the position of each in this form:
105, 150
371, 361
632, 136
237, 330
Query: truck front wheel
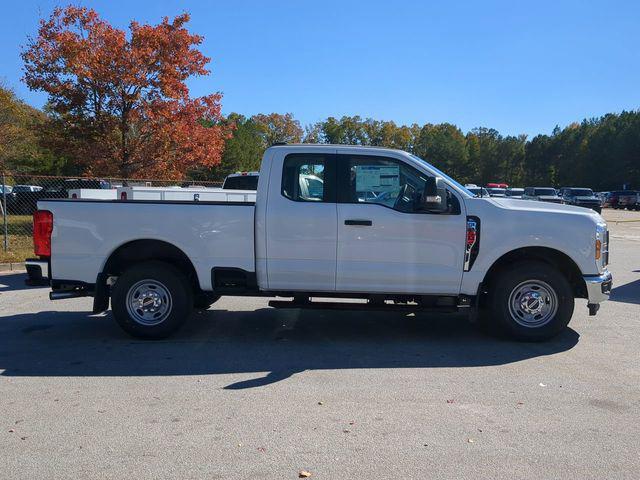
531, 301
152, 300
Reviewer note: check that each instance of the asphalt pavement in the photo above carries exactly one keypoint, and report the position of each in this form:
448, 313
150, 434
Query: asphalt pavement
245, 391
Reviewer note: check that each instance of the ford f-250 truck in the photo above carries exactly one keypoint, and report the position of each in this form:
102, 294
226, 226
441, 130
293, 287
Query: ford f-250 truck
379, 226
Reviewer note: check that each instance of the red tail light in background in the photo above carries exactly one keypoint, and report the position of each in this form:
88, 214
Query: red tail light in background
42, 228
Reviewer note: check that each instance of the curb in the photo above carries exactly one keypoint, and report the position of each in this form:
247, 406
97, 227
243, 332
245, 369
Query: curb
10, 267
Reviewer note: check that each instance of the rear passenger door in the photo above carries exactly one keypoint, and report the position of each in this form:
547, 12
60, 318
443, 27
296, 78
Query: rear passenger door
301, 228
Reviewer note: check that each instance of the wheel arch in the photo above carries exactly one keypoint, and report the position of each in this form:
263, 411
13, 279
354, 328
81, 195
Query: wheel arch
560, 260
141, 250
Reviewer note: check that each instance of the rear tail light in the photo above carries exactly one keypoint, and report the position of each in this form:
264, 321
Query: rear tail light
123, 195
42, 228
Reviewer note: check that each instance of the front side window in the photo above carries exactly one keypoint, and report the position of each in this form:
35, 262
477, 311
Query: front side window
303, 178
382, 181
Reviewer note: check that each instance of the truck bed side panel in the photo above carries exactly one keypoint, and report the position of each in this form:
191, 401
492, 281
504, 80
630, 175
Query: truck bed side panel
86, 233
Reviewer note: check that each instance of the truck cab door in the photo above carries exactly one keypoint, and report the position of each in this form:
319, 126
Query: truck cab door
301, 220
385, 243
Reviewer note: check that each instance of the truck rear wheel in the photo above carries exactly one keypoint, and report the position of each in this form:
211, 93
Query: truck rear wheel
152, 300
531, 301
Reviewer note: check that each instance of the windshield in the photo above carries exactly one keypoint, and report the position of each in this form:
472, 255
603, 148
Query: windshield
545, 191
581, 192
444, 175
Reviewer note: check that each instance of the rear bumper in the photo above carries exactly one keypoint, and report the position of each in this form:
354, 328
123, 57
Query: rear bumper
37, 271
598, 287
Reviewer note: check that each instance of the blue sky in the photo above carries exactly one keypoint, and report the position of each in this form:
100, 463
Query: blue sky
519, 67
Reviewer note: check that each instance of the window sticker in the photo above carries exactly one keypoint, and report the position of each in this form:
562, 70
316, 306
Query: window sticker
377, 178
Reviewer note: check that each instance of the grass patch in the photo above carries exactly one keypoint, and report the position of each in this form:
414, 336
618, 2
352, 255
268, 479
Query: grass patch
20, 243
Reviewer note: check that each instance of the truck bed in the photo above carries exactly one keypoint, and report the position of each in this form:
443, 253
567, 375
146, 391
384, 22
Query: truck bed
87, 232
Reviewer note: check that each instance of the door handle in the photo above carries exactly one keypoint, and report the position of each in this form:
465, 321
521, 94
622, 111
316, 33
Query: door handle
363, 223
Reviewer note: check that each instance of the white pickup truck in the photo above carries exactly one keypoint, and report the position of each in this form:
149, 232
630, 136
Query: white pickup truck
379, 226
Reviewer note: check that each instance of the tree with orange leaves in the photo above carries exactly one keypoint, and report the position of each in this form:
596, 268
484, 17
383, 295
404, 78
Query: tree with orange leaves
120, 101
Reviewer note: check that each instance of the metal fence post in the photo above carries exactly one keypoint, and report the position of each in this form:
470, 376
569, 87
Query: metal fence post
4, 212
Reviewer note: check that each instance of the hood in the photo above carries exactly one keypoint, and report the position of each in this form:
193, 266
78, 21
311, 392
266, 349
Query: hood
536, 206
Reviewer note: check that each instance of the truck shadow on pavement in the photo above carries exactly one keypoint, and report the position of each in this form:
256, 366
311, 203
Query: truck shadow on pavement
627, 293
13, 281
281, 343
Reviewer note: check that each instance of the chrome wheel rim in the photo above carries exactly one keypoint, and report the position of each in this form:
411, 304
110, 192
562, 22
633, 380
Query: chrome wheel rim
533, 303
149, 302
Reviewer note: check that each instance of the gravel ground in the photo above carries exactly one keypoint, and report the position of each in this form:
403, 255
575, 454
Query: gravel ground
245, 391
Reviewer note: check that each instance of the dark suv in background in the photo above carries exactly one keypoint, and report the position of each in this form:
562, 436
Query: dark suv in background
543, 194
580, 197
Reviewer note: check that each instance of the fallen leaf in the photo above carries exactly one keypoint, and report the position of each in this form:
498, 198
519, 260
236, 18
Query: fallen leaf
11, 430
23, 438
346, 431
470, 440
450, 401
304, 474
261, 449
543, 384
320, 403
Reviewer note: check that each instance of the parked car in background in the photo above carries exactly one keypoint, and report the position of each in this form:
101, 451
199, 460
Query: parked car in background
628, 200
497, 192
477, 191
18, 193
241, 181
543, 194
26, 188
602, 196
514, 192
612, 198
5, 189
580, 197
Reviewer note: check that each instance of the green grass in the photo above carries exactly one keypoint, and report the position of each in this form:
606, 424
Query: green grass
20, 243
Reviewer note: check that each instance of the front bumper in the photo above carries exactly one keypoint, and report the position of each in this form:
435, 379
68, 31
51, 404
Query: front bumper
598, 287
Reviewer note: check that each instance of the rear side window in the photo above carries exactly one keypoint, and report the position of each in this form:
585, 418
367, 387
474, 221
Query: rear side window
305, 178
242, 182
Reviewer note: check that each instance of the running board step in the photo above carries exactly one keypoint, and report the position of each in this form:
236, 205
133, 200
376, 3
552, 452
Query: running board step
361, 306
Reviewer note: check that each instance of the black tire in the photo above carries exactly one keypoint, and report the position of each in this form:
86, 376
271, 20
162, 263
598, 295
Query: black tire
202, 301
517, 284
157, 281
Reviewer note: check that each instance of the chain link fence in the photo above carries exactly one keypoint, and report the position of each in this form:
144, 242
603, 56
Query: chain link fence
19, 195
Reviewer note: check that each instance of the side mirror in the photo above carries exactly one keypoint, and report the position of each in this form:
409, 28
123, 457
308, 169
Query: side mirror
434, 197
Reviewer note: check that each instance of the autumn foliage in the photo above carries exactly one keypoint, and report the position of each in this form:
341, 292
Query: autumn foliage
120, 102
